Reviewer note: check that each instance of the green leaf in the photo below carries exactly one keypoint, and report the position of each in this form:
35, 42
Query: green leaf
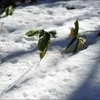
32, 33
9, 10
41, 33
80, 42
53, 33
76, 28
83, 41
74, 32
73, 39
43, 43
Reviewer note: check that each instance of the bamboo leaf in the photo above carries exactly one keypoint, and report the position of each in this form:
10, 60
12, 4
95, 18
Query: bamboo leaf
32, 33
83, 41
73, 39
74, 31
76, 28
41, 33
43, 43
9, 10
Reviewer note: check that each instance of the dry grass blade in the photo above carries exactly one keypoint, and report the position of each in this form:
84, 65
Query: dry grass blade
1, 27
72, 31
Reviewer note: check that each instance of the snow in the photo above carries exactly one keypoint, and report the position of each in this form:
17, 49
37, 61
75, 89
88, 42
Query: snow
57, 76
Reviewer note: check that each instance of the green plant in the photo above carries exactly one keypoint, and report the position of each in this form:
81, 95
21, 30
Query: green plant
8, 11
44, 39
81, 40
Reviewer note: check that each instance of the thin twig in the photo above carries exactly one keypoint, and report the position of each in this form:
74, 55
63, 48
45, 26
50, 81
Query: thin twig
93, 31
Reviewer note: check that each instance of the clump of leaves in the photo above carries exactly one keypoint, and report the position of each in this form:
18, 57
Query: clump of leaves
8, 10
44, 39
81, 40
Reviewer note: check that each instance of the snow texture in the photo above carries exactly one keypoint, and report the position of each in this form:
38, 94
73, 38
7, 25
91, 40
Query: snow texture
68, 76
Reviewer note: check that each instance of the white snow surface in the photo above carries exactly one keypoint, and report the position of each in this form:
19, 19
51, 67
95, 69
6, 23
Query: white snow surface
57, 76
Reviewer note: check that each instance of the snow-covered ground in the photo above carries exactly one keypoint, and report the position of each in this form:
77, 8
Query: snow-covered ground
68, 76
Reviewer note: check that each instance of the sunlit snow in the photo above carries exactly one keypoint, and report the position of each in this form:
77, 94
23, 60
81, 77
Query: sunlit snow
57, 76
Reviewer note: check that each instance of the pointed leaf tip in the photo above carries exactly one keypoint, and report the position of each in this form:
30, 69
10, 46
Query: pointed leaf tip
74, 31
32, 33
